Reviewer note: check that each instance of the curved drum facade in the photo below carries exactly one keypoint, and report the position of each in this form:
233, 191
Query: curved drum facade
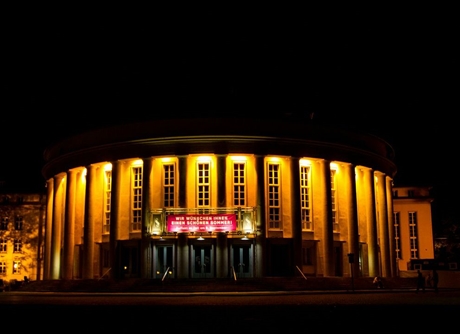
210, 198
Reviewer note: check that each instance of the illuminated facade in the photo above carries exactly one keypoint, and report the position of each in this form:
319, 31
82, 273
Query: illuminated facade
413, 228
21, 235
224, 197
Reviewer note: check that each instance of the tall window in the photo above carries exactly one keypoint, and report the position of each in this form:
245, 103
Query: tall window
2, 268
274, 196
413, 235
203, 185
16, 267
169, 185
17, 243
305, 198
335, 221
4, 224
18, 223
136, 204
239, 184
397, 232
107, 199
3, 245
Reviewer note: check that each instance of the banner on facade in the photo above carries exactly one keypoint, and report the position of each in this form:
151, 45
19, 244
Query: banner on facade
201, 223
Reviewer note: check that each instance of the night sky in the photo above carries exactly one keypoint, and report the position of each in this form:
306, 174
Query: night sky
389, 71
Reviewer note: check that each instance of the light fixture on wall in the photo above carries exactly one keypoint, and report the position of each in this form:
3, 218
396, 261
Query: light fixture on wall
200, 237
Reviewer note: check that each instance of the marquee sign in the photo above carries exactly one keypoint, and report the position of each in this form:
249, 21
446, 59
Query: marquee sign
201, 223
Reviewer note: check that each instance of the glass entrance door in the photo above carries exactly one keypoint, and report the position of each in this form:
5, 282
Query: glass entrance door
202, 261
242, 260
164, 260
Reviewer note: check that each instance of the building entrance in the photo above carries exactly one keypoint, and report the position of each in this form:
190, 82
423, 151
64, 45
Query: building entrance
242, 260
130, 260
164, 260
202, 261
281, 263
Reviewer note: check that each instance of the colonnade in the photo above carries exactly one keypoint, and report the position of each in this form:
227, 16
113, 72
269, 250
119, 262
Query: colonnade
364, 215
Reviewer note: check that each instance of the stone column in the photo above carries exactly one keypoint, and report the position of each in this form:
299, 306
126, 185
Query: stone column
352, 216
296, 217
146, 252
260, 264
381, 206
369, 197
221, 177
182, 181
48, 228
222, 269
328, 231
69, 226
90, 212
56, 237
183, 256
115, 200
221, 240
391, 231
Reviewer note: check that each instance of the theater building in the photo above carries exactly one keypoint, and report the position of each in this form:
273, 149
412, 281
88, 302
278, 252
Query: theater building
219, 197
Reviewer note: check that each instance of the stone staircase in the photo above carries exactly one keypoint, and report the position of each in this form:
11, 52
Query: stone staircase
218, 284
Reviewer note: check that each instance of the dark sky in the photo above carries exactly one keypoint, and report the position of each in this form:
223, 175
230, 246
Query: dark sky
391, 71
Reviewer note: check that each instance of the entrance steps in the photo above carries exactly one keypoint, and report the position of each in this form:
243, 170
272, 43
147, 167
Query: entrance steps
218, 284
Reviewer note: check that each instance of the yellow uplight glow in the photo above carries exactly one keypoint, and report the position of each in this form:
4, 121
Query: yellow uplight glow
305, 162
83, 175
203, 159
238, 158
137, 162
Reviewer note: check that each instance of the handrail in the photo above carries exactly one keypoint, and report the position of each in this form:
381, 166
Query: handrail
234, 273
301, 273
166, 273
106, 272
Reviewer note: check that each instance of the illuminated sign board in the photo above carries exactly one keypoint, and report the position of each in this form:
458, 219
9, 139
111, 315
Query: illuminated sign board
201, 223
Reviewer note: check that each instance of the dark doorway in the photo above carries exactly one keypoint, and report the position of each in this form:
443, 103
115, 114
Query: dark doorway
202, 261
130, 261
241, 259
164, 262
280, 260
338, 261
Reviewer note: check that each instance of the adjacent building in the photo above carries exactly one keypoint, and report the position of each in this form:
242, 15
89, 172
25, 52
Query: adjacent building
221, 197
413, 230
22, 217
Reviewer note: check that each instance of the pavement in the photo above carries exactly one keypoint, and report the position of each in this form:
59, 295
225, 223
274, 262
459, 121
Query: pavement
271, 284
269, 305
